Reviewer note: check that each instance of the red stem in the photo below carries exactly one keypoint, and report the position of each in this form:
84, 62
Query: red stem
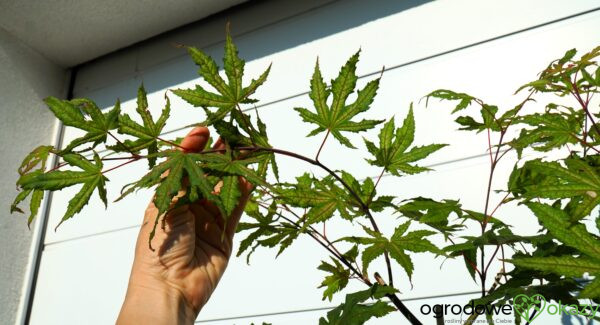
171, 143
322, 144
121, 165
491, 259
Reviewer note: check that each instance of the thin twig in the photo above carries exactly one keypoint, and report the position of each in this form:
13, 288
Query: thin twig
489, 139
122, 144
401, 307
375, 186
122, 158
62, 164
121, 165
171, 143
584, 105
322, 144
503, 261
491, 259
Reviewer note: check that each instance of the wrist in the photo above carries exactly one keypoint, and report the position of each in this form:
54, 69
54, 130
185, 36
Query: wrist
149, 301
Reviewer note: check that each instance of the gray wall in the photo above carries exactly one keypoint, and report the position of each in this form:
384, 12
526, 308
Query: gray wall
25, 79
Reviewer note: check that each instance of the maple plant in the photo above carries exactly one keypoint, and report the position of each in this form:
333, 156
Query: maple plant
561, 193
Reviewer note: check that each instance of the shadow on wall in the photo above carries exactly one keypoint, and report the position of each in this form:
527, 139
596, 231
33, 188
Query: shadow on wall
313, 24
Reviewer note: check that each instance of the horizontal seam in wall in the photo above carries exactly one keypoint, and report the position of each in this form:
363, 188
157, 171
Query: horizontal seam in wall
91, 235
326, 308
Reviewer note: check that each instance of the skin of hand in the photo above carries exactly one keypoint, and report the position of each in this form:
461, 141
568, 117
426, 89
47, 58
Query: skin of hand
172, 283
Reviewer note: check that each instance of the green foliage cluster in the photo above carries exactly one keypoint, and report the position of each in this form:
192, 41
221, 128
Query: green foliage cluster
563, 258
561, 188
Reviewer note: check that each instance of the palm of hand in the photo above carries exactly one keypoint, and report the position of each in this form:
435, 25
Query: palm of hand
193, 250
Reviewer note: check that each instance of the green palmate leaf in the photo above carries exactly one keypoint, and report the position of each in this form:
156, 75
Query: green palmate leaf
392, 152
264, 227
256, 137
337, 117
229, 94
565, 265
196, 166
592, 289
97, 125
230, 193
322, 198
367, 194
354, 310
285, 235
178, 164
336, 281
90, 176
228, 165
560, 77
468, 123
268, 231
432, 213
34, 205
560, 227
501, 236
495, 237
443, 94
550, 130
36, 159
14, 207
39, 156
351, 254
147, 134
578, 181
230, 170
470, 259
396, 246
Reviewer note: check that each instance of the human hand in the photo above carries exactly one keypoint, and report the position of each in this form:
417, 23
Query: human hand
172, 283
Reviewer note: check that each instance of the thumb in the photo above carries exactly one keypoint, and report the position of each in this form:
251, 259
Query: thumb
196, 139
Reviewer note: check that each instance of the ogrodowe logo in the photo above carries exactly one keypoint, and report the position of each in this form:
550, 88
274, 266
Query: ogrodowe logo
528, 307
531, 307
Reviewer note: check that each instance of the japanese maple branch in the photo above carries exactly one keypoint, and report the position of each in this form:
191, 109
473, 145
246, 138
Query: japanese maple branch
301, 219
584, 105
401, 307
393, 298
364, 207
493, 163
327, 244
